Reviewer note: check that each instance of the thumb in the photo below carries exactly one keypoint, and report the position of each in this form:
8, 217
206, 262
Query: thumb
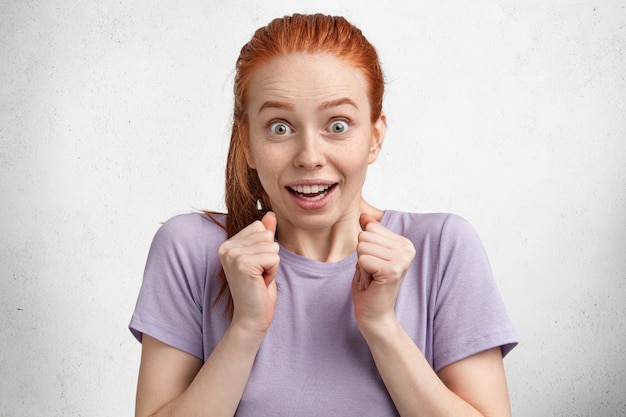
366, 219
269, 221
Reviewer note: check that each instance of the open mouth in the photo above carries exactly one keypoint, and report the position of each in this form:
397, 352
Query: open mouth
311, 192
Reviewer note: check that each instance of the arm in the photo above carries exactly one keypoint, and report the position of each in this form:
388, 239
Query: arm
172, 382
475, 386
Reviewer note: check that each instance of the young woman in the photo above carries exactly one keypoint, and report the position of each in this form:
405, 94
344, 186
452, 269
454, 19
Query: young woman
304, 300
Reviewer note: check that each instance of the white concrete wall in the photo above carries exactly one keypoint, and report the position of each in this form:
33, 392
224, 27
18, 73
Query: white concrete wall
114, 116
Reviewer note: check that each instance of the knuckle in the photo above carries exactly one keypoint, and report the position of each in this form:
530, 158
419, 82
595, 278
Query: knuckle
398, 271
229, 255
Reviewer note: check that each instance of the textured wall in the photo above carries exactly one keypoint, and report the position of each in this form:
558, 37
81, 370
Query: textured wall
114, 117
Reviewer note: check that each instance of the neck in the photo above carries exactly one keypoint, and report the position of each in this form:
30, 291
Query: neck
330, 244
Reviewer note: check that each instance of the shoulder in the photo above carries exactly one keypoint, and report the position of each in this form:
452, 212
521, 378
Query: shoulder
191, 236
191, 226
443, 227
441, 237
178, 281
184, 253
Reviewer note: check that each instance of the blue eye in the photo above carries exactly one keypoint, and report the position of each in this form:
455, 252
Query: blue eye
279, 128
338, 126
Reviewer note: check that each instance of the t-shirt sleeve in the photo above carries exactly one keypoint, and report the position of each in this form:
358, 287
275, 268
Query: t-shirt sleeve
470, 316
169, 305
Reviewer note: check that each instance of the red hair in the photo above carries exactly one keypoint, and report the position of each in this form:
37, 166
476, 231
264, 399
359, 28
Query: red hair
245, 197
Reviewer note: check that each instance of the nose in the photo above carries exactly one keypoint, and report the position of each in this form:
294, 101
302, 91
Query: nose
310, 152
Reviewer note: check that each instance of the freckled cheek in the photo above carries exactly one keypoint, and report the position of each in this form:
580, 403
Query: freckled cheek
268, 168
354, 160
264, 156
269, 184
273, 165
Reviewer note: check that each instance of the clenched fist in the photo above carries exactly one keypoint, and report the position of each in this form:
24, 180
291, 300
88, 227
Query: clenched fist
250, 261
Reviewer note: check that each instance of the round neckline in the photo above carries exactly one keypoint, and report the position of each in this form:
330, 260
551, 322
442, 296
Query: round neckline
312, 265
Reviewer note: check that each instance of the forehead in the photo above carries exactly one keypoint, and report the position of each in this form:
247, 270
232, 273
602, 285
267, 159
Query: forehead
306, 78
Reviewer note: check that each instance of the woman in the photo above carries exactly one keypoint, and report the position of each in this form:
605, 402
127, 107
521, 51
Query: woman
308, 300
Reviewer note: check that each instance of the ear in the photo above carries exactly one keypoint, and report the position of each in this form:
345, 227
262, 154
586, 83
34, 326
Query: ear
378, 135
242, 141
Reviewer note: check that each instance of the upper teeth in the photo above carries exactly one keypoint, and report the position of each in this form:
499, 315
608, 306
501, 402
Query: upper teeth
310, 189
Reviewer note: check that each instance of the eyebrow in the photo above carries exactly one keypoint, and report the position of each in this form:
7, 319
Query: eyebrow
324, 106
277, 105
337, 103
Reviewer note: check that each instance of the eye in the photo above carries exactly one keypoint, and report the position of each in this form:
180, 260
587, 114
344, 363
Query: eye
279, 128
338, 126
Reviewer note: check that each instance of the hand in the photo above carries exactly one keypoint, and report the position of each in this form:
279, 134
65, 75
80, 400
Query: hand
383, 260
250, 261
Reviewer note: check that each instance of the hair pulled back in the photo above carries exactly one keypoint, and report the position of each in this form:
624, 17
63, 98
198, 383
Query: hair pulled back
246, 200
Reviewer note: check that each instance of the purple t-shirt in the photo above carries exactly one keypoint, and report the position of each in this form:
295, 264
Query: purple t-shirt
314, 361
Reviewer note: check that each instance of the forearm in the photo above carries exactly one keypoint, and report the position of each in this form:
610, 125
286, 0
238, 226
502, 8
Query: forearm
217, 388
414, 387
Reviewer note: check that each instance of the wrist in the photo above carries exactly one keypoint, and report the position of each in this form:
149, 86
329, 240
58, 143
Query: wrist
378, 328
248, 334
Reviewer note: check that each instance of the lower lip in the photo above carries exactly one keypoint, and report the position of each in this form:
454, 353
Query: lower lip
312, 204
